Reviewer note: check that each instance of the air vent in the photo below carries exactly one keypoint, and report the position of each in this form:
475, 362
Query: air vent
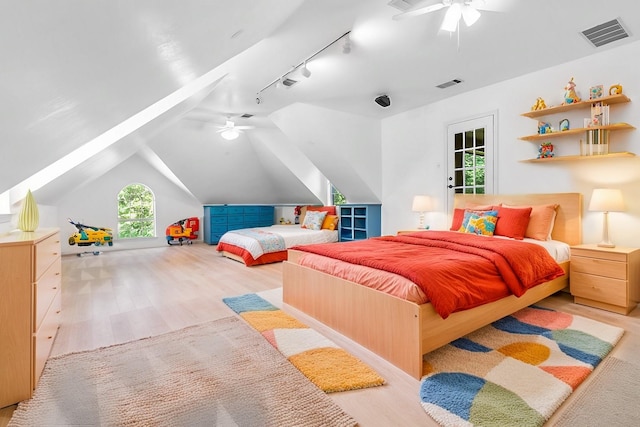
606, 33
287, 82
449, 83
403, 5
246, 116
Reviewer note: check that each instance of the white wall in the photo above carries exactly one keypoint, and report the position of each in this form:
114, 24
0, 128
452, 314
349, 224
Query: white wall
414, 145
96, 204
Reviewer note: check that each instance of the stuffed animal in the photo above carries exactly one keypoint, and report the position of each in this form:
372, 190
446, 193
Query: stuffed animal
545, 151
615, 90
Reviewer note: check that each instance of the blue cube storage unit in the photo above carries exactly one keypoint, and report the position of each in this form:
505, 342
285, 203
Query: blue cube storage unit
218, 219
359, 222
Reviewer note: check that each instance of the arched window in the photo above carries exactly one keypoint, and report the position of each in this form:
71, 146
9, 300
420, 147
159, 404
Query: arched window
136, 212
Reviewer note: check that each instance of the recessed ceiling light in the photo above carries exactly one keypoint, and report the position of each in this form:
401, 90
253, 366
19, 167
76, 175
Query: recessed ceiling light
236, 34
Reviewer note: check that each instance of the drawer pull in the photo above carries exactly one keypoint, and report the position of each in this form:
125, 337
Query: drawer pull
57, 273
54, 288
50, 337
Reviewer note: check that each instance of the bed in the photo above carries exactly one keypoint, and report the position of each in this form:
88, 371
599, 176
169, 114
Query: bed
264, 245
402, 331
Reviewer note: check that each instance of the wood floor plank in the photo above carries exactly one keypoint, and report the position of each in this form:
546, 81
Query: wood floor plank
120, 296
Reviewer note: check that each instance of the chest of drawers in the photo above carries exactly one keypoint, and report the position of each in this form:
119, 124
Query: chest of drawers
606, 278
30, 309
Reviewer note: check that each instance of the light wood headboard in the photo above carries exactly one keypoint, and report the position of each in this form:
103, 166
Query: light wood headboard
568, 224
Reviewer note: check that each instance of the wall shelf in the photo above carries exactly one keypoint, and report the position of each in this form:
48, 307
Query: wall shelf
607, 100
586, 131
538, 136
571, 158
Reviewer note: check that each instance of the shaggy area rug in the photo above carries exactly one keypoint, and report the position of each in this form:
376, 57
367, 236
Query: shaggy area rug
327, 365
217, 373
516, 371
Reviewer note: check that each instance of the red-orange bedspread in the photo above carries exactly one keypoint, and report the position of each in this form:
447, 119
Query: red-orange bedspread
456, 271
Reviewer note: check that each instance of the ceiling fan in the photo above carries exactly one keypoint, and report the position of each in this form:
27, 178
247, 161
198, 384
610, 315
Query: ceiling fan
467, 10
230, 131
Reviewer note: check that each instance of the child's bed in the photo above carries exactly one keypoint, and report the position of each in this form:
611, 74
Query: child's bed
264, 245
400, 330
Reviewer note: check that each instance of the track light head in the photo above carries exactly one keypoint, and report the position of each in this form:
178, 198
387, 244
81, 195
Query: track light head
346, 46
258, 99
305, 71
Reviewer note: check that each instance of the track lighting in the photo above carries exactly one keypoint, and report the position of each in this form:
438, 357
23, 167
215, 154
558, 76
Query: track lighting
346, 47
285, 81
305, 71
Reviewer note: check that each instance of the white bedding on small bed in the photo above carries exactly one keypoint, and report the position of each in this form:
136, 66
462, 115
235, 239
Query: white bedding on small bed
292, 234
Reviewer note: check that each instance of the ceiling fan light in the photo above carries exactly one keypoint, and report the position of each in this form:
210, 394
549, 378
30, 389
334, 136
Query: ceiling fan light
451, 18
230, 134
470, 15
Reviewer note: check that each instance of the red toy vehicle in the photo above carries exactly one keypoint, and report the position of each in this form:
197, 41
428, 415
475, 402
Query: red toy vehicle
183, 230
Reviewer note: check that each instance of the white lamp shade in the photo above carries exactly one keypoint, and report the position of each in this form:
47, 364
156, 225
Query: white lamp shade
422, 204
606, 200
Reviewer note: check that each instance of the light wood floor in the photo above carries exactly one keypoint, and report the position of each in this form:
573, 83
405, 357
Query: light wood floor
121, 296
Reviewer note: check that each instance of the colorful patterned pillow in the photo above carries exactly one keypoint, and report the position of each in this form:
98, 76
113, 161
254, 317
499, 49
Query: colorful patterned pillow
468, 213
476, 222
313, 220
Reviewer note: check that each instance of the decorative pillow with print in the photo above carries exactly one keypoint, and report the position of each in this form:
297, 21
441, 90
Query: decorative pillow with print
484, 225
469, 213
313, 220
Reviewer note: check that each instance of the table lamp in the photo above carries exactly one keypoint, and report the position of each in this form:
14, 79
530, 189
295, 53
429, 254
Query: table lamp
606, 200
421, 204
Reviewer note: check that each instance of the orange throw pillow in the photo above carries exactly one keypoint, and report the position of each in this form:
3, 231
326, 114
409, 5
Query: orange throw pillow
541, 222
330, 222
513, 222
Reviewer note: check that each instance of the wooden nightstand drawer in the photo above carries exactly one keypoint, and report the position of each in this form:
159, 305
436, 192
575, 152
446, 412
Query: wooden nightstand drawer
599, 254
598, 288
599, 267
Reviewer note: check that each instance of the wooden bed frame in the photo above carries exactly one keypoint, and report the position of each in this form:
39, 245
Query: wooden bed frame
401, 331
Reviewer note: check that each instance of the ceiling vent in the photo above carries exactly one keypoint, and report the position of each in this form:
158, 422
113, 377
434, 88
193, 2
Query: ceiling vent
403, 5
288, 82
605, 33
246, 116
449, 83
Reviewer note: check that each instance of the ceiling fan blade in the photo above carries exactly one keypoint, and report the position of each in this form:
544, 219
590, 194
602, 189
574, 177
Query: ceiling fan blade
489, 5
419, 11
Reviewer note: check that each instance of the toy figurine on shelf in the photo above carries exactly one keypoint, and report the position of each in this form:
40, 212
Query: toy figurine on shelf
544, 128
539, 105
545, 151
615, 90
570, 95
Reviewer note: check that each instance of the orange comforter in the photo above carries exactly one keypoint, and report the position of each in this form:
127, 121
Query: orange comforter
456, 271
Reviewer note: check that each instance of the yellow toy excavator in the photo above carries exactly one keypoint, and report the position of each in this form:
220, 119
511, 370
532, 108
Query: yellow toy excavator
88, 235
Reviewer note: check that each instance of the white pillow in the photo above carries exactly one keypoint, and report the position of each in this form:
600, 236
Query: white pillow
313, 220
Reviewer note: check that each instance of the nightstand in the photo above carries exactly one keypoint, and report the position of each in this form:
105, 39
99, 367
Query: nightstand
606, 278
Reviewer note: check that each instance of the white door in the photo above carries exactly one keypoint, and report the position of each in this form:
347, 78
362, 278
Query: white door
470, 157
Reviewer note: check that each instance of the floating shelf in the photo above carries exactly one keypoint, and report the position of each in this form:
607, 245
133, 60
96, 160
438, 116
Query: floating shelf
538, 136
571, 158
607, 100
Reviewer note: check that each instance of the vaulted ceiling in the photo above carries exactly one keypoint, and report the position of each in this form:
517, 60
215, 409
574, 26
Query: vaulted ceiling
86, 85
